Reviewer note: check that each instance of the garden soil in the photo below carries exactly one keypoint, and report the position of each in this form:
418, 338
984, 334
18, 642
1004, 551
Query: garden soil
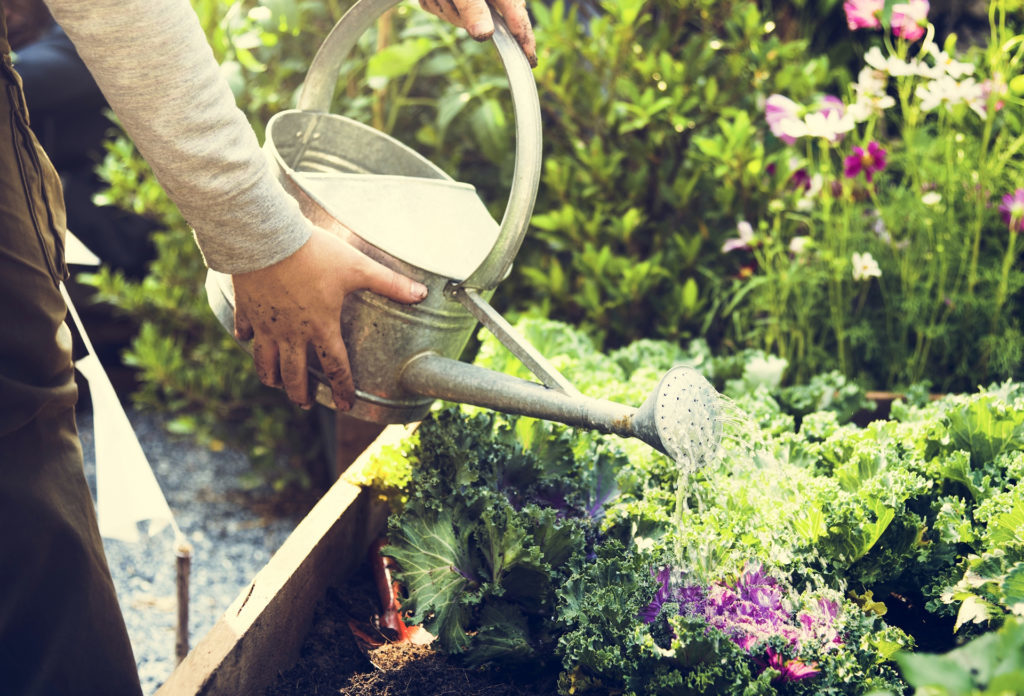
347, 653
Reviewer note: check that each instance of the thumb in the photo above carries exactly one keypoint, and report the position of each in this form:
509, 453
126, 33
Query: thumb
384, 281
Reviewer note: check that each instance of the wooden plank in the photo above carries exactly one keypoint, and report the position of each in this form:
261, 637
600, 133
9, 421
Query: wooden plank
261, 632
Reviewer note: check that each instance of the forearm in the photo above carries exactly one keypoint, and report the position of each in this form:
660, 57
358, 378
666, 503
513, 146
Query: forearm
157, 72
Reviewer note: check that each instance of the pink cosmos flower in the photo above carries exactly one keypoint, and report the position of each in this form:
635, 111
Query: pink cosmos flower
909, 19
1012, 209
831, 104
778, 109
869, 162
863, 14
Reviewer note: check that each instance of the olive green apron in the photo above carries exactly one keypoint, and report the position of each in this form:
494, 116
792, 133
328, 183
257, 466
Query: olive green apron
61, 630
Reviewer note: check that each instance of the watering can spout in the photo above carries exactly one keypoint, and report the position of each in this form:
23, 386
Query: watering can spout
679, 418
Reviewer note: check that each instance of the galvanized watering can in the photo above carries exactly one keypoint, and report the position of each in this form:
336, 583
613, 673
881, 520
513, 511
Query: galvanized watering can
403, 211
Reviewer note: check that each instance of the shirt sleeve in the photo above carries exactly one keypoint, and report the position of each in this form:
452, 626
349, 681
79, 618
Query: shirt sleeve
157, 71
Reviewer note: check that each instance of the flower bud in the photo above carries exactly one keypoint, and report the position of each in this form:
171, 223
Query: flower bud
1017, 85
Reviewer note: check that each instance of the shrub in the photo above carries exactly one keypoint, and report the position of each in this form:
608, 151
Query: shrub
650, 149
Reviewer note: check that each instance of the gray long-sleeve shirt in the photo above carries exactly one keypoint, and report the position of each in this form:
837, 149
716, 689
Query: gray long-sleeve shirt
153, 63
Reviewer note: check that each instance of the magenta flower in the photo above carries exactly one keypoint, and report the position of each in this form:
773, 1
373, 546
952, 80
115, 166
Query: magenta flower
790, 670
1012, 209
909, 19
800, 180
753, 611
870, 161
863, 14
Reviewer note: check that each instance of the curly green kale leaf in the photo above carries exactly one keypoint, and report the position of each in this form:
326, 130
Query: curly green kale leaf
984, 425
488, 532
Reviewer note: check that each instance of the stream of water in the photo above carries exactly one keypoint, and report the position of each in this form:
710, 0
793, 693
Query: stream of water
702, 419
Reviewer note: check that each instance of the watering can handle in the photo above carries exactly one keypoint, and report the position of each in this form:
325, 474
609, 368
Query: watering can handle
322, 78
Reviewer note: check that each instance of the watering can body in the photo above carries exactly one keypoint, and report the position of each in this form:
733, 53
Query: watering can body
403, 211
411, 218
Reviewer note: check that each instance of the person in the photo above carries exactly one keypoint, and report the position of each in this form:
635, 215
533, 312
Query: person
61, 631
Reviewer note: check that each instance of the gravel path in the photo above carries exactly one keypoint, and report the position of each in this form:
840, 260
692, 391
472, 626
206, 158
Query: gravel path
230, 543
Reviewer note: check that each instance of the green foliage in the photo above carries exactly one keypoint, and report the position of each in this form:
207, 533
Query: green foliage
990, 665
388, 472
505, 561
895, 508
488, 533
651, 149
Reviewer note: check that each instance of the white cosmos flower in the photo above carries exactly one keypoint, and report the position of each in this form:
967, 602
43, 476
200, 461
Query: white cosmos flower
945, 64
868, 105
798, 245
828, 125
865, 266
870, 81
891, 65
946, 91
876, 60
975, 95
871, 98
931, 198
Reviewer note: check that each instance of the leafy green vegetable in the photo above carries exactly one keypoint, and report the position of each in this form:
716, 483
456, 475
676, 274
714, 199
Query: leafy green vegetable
990, 665
527, 541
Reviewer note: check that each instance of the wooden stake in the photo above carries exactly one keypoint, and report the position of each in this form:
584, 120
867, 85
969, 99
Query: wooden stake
183, 555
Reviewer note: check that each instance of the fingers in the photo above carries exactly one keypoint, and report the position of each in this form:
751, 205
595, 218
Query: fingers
243, 327
443, 9
475, 17
333, 356
518, 21
294, 375
266, 359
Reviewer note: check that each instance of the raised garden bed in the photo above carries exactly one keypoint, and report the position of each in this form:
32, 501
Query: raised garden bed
261, 633
308, 622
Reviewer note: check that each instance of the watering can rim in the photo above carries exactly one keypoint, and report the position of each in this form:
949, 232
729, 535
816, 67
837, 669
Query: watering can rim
392, 141
413, 211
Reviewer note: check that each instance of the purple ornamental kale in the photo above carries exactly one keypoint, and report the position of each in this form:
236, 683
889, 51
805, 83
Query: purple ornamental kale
688, 597
750, 612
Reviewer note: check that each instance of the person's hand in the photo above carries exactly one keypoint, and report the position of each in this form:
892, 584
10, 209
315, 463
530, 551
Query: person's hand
475, 17
296, 304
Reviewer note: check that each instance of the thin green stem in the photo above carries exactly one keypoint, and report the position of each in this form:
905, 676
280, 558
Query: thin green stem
980, 193
1004, 278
